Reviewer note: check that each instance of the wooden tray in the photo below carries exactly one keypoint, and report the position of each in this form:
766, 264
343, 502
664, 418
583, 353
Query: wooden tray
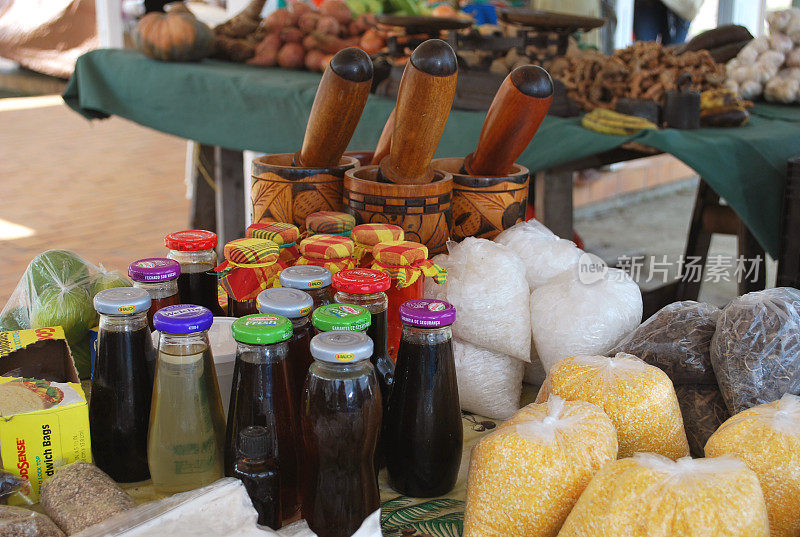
422, 24
548, 19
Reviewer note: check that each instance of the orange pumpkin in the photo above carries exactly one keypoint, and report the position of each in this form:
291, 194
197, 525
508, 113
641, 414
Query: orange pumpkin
174, 36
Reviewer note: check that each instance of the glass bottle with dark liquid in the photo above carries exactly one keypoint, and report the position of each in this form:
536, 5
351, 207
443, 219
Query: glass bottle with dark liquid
423, 434
314, 280
366, 287
187, 426
257, 468
194, 250
341, 420
159, 277
347, 317
122, 384
296, 306
260, 395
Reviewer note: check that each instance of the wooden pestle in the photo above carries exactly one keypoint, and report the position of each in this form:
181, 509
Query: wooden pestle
518, 108
424, 100
385, 141
341, 96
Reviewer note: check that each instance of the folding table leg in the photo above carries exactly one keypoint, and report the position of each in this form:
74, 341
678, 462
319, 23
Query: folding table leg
203, 213
754, 270
553, 202
697, 244
230, 194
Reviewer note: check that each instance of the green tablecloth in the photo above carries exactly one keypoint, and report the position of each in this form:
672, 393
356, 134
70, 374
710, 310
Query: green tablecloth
243, 107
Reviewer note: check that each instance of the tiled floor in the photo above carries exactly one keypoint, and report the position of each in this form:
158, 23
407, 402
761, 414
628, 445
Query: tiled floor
109, 190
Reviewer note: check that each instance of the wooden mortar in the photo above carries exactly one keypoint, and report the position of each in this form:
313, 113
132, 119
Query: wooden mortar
284, 193
423, 211
485, 206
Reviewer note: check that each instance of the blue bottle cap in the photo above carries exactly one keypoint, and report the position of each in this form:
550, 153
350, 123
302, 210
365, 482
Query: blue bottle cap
183, 319
122, 301
305, 277
291, 303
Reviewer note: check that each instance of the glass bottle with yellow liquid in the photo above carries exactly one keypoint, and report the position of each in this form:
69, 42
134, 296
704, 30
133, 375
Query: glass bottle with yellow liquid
187, 425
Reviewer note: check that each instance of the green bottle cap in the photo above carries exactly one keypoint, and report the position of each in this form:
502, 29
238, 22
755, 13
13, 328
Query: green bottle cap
261, 329
341, 317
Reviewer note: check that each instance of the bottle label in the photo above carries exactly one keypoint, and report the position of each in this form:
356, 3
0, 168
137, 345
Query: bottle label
313, 284
344, 356
126, 309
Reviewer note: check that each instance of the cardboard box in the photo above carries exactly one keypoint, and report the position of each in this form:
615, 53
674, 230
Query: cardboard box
40, 353
43, 425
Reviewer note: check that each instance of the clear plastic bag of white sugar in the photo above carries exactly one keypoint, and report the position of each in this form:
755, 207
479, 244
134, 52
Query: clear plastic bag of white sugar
489, 383
572, 316
544, 254
486, 284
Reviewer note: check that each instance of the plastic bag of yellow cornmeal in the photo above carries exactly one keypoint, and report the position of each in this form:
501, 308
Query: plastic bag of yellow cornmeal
525, 477
652, 496
767, 438
638, 397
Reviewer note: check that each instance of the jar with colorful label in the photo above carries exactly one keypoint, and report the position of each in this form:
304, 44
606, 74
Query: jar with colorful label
407, 263
296, 306
423, 434
283, 234
187, 427
122, 384
348, 317
250, 266
314, 280
195, 250
366, 236
260, 395
341, 421
159, 277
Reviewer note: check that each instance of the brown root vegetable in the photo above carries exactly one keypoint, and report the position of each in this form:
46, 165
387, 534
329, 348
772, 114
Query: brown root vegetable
363, 23
291, 35
336, 9
371, 42
314, 60
329, 44
291, 56
267, 51
235, 50
352, 41
298, 8
328, 25
308, 22
277, 20
310, 42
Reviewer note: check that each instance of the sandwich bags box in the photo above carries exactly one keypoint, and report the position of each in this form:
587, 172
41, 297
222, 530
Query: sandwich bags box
43, 425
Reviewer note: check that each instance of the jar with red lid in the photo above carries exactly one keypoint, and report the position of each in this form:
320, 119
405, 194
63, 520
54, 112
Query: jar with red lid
195, 250
159, 277
367, 288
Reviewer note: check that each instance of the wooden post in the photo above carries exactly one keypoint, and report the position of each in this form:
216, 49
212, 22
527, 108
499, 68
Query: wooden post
230, 194
553, 195
203, 211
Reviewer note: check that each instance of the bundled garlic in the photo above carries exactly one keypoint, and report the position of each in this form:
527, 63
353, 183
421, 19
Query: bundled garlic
782, 90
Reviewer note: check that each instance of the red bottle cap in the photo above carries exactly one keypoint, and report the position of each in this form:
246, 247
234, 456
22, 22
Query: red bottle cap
191, 240
361, 281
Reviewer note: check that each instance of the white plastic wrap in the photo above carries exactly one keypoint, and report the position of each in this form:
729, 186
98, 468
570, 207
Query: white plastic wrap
486, 283
755, 350
569, 317
57, 289
489, 383
21, 522
544, 254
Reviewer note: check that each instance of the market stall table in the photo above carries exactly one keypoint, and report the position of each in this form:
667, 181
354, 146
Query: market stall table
239, 107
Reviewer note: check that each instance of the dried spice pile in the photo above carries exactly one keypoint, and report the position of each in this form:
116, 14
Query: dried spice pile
645, 70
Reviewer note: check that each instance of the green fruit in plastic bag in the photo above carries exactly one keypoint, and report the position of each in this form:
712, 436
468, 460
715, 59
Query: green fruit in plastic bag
57, 268
71, 309
15, 319
108, 280
81, 355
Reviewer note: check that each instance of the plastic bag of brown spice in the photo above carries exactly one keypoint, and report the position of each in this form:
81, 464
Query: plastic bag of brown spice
756, 348
21, 522
80, 495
